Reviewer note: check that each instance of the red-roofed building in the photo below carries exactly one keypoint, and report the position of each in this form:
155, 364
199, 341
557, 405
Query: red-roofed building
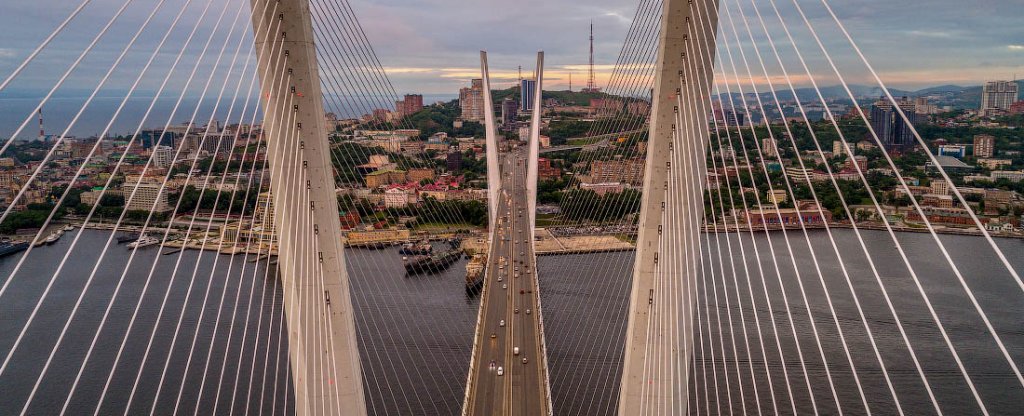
350, 220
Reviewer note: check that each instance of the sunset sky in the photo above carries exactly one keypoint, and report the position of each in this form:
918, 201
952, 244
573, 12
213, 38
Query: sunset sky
431, 46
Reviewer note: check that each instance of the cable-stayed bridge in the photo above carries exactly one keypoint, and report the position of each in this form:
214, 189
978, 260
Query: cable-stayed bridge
773, 271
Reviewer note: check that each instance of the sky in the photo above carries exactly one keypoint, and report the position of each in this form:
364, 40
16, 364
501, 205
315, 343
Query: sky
432, 46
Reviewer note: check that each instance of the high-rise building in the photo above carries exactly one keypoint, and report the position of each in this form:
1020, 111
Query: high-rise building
163, 156
629, 171
837, 148
527, 89
471, 100
997, 96
769, 147
892, 130
734, 118
411, 104
984, 145
148, 197
509, 111
454, 160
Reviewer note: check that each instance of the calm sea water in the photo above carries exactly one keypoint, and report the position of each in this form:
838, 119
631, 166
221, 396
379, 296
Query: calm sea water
415, 332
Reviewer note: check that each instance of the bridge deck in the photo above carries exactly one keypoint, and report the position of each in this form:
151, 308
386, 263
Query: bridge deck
521, 390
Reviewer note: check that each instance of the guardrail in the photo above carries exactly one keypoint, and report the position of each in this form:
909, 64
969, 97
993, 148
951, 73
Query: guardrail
477, 334
540, 319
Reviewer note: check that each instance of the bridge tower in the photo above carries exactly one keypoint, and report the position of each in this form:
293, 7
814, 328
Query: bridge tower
650, 344
322, 344
491, 146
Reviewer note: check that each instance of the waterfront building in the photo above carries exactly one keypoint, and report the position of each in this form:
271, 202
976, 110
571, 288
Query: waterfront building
808, 213
147, 197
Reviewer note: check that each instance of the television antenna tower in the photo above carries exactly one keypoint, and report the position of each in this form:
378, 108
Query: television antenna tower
590, 78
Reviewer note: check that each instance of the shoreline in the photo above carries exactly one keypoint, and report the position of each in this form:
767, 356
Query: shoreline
546, 244
940, 229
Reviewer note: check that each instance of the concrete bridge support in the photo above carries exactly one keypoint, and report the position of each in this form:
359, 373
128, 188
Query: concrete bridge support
642, 386
322, 342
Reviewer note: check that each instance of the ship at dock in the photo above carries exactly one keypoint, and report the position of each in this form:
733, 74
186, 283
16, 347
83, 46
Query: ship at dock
128, 238
432, 264
8, 247
413, 249
475, 271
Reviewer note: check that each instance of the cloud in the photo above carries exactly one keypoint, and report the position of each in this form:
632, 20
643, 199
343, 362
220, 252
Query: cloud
432, 46
931, 34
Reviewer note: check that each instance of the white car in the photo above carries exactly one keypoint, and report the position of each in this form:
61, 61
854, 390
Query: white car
504, 286
501, 323
501, 371
515, 350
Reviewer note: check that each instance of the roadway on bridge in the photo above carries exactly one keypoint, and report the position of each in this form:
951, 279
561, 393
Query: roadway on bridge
521, 389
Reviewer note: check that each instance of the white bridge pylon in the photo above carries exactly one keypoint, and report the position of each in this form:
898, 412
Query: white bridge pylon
491, 143
663, 267
533, 143
322, 342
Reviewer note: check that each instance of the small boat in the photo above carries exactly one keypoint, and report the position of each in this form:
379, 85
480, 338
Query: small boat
52, 238
144, 241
